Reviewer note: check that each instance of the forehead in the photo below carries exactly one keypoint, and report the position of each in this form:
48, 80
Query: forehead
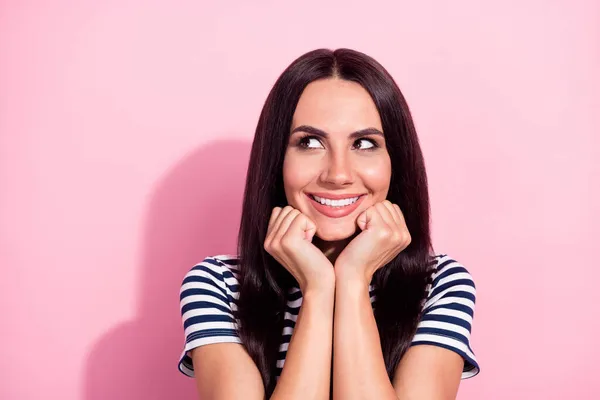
336, 106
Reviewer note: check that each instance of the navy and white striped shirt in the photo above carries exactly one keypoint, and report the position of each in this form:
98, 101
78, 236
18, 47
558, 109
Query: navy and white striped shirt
210, 290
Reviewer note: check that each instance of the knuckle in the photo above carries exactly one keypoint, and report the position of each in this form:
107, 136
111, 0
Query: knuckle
267, 241
286, 242
384, 234
301, 217
275, 247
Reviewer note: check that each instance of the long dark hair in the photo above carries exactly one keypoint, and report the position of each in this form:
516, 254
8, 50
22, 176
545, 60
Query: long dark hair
400, 285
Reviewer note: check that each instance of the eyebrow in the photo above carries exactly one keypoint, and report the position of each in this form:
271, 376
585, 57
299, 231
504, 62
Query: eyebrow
354, 135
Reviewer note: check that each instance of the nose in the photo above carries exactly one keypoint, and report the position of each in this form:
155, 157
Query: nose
337, 169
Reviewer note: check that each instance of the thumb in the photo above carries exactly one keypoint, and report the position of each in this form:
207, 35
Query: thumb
363, 219
303, 227
309, 229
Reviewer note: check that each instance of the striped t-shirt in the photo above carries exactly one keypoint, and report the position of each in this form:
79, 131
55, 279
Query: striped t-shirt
210, 290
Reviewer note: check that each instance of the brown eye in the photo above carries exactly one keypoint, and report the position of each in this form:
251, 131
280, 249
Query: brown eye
310, 142
365, 144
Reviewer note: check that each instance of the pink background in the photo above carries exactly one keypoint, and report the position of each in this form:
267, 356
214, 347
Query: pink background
125, 129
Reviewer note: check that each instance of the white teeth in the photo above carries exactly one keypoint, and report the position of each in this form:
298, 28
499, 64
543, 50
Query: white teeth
336, 203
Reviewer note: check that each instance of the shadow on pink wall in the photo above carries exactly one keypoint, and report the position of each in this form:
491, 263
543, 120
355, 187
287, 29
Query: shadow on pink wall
194, 212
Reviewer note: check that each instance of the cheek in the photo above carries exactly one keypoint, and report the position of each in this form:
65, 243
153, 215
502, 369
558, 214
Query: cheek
376, 177
297, 174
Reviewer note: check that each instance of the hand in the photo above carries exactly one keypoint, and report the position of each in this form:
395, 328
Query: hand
289, 241
384, 235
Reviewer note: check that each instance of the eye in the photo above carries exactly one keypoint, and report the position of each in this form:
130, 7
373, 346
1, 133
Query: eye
365, 144
310, 142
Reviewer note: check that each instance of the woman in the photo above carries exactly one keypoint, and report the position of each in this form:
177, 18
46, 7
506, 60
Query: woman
336, 290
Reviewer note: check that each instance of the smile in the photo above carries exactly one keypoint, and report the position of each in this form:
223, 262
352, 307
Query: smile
335, 206
335, 202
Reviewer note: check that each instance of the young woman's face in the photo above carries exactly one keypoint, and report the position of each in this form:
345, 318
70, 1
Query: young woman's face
336, 164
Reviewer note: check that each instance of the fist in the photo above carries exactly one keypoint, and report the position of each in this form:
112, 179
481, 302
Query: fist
383, 236
289, 241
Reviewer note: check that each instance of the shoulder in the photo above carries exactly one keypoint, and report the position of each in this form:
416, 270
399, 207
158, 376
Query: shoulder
219, 266
448, 313
450, 277
207, 301
221, 271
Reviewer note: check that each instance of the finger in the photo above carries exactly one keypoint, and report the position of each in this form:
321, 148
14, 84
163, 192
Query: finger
390, 207
284, 212
304, 227
363, 219
386, 215
369, 218
400, 214
285, 224
274, 214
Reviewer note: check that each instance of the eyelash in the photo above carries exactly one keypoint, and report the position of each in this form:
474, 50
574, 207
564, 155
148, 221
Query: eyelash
304, 138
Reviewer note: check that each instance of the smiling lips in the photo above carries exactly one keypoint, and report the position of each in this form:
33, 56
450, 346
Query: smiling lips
335, 206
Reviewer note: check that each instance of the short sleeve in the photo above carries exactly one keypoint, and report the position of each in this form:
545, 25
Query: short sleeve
448, 313
205, 302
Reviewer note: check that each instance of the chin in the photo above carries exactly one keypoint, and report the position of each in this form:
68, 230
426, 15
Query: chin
335, 233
